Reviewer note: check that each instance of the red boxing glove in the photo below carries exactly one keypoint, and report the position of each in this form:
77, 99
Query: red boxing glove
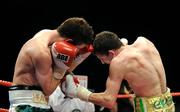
64, 53
88, 48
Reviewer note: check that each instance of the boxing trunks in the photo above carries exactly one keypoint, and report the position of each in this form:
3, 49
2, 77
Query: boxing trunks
162, 103
27, 99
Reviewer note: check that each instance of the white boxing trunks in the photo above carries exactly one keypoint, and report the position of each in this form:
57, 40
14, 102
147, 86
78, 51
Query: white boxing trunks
27, 98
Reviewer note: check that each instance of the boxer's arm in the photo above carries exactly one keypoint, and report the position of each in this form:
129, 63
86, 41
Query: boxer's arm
43, 73
105, 99
63, 54
113, 83
78, 60
108, 98
114, 108
74, 90
83, 54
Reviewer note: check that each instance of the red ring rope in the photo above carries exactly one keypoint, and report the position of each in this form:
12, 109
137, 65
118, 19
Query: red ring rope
132, 95
4, 110
6, 83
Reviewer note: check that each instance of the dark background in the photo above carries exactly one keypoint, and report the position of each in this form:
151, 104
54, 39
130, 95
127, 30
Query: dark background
159, 22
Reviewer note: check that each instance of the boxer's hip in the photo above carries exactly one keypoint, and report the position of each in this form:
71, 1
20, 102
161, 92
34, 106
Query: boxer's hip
21, 96
162, 103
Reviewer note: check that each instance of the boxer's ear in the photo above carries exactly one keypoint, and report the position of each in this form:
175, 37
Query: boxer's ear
111, 52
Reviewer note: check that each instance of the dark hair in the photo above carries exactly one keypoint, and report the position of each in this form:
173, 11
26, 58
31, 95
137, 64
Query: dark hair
77, 29
105, 41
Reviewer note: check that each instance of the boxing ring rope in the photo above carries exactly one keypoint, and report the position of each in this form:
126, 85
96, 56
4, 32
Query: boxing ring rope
132, 95
5, 83
4, 110
8, 84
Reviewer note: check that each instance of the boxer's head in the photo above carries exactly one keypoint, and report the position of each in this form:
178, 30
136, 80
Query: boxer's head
77, 30
104, 45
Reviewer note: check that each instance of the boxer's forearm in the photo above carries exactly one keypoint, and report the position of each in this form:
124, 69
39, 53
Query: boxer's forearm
102, 99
